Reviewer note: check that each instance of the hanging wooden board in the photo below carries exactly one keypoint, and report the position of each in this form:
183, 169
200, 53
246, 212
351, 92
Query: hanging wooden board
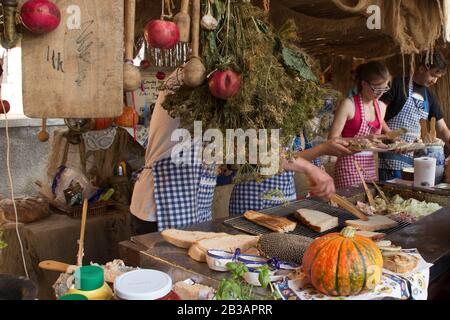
76, 71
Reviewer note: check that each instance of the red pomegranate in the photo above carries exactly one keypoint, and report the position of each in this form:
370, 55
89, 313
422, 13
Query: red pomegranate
160, 75
161, 34
40, 16
224, 84
6, 105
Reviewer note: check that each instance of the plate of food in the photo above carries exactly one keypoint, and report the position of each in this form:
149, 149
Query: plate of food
366, 144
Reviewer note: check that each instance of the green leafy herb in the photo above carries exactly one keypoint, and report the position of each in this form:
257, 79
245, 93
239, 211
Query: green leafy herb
3, 244
236, 288
297, 62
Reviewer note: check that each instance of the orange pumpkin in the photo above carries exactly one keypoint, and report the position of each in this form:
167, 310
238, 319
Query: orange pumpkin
129, 118
103, 123
343, 264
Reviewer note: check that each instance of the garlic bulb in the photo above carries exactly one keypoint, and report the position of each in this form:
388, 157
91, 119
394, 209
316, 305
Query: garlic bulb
208, 21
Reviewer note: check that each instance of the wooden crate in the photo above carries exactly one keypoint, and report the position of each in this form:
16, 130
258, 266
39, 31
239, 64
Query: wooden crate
76, 71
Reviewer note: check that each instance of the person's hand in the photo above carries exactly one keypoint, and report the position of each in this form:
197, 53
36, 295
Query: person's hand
321, 183
336, 147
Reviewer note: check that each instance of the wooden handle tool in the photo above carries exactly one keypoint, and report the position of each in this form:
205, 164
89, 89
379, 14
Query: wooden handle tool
366, 188
83, 228
43, 135
347, 205
54, 265
433, 135
425, 136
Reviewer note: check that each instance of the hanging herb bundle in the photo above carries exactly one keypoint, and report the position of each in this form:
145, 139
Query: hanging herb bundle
278, 90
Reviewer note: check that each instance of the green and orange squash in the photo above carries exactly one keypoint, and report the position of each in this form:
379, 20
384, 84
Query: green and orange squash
343, 264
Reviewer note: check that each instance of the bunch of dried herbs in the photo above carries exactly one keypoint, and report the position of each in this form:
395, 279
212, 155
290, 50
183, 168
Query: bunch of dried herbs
278, 88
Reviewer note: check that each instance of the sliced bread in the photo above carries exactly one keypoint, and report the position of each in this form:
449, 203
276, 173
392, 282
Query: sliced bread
374, 223
274, 223
185, 239
317, 220
226, 243
374, 236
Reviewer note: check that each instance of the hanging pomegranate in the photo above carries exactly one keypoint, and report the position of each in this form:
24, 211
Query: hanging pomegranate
161, 34
40, 16
160, 75
103, 123
129, 118
224, 84
6, 105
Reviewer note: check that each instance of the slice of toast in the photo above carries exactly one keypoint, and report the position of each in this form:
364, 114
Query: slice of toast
374, 236
185, 239
274, 223
317, 220
228, 243
374, 223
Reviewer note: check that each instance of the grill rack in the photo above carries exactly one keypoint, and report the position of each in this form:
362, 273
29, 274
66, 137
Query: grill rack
242, 224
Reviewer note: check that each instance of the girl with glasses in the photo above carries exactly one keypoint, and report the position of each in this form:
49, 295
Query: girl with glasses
358, 116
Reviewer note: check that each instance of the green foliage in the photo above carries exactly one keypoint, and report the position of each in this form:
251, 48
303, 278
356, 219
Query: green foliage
296, 61
3, 244
277, 87
236, 288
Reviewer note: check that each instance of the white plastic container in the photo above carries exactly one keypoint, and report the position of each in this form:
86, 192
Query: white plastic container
143, 284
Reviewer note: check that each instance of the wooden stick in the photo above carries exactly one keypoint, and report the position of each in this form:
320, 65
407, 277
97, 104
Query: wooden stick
433, 134
366, 188
130, 14
347, 205
195, 27
83, 228
382, 194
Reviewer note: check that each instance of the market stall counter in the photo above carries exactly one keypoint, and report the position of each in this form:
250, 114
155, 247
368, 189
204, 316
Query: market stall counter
56, 238
429, 235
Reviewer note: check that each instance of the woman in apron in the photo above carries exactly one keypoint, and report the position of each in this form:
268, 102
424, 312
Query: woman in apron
358, 116
253, 195
168, 194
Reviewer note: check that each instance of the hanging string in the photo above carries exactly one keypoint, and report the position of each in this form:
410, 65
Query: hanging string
11, 186
134, 115
167, 4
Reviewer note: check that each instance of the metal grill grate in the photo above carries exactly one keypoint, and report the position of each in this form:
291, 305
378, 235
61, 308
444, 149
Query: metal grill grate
242, 224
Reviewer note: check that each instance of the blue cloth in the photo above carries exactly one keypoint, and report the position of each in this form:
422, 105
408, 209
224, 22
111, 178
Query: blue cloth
409, 117
183, 192
249, 195
386, 175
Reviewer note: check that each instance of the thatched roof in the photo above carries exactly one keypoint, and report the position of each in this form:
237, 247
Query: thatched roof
324, 28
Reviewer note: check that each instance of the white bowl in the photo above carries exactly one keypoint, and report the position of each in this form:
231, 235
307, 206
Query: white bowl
218, 259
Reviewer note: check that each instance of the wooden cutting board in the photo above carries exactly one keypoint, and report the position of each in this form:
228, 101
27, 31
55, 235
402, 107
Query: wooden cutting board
76, 71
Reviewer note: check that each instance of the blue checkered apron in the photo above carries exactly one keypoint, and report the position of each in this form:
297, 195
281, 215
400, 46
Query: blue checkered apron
409, 117
249, 195
183, 192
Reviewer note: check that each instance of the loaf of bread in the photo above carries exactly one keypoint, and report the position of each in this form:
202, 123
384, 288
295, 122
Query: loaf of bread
29, 209
317, 220
228, 243
185, 239
274, 223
